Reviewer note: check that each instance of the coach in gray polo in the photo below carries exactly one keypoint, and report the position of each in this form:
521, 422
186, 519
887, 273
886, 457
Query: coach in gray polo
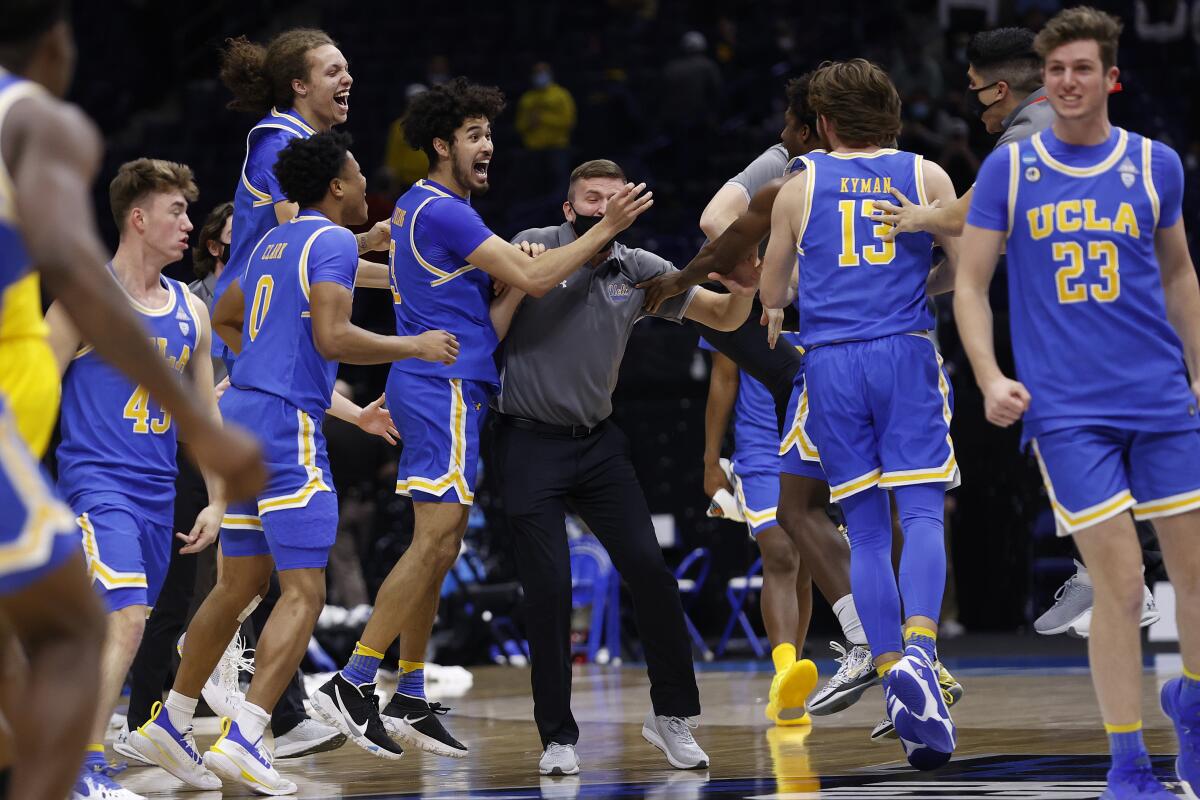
555, 450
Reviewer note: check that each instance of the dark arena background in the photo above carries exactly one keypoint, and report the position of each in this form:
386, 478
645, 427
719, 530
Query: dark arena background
683, 95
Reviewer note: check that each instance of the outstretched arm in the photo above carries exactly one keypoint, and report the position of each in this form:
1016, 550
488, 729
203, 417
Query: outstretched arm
59, 154
723, 384
942, 217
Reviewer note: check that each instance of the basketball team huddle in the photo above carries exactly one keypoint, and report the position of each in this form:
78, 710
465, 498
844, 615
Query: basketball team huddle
1105, 324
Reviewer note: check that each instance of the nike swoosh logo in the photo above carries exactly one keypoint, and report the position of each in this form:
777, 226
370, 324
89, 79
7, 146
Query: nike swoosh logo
413, 720
356, 729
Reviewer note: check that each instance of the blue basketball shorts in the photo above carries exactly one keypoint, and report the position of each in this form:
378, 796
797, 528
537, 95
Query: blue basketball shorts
798, 454
440, 421
758, 495
879, 413
37, 532
1093, 473
127, 554
294, 519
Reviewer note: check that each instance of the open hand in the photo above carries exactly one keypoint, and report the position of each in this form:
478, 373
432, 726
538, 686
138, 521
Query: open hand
377, 420
908, 217
626, 205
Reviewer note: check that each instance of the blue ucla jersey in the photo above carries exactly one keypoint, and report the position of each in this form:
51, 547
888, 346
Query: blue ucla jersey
854, 285
278, 354
257, 193
433, 286
118, 445
1089, 323
14, 258
755, 425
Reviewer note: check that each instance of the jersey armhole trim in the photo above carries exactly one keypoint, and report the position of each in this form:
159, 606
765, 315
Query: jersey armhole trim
1014, 177
919, 171
1148, 179
304, 285
810, 177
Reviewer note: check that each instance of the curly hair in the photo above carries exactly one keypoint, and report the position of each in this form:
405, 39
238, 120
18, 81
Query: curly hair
1082, 23
1007, 54
797, 97
306, 166
261, 77
138, 179
859, 99
204, 263
438, 113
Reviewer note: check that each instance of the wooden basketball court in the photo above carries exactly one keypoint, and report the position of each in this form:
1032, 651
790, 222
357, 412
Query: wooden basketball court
1023, 733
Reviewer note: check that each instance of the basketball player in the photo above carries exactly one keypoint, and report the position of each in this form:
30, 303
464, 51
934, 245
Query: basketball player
878, 399
787, 584
295, 322
49, 153
299, 84
443, 261
1091, 218
116, 461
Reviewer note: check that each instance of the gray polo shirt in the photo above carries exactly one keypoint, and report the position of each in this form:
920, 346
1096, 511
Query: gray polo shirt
767, 167
563, 352
1032, 115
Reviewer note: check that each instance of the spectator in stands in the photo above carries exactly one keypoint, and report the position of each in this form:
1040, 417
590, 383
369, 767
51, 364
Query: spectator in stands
437, 70
689, 100
403, 164
545, 119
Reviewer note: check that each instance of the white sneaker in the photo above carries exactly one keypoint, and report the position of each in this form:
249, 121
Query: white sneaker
307, 738
241, 761
223, 691
559, 759
673, 735
855, 675
99, 785
122, 747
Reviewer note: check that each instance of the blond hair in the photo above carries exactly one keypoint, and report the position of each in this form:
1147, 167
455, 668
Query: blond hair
137, 179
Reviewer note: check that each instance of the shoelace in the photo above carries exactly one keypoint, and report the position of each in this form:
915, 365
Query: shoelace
849, 660
681, 728
190, 740
186, 734
554, 748
233, 662
1071, 585
438, 708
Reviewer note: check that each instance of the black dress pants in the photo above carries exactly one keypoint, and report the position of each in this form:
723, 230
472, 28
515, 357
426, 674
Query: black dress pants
542, 476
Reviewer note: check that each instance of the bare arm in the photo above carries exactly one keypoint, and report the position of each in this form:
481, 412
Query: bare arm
60, 152
1004, 400
200, 369
338, 339
726, 205
538, 275
228, 316
63, 338
939, 188
504, 308
721, 312
285, 211
942, 217
789, 208
723, 383
1182, 294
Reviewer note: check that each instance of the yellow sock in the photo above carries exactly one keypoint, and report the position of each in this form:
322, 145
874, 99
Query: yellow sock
361, 649
1129, 728
95, 748
784, 655
919, 631
1191, 676
411, 666
885, 667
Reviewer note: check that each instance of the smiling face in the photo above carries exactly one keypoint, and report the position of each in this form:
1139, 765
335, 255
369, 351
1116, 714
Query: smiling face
471, 154
325, 95
162, 221
1077, 84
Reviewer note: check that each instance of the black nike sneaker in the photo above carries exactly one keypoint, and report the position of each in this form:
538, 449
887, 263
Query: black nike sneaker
354, 711
414, 721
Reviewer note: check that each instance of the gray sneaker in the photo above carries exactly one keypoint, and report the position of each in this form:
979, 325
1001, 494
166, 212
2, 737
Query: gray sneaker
307, 738
1081, 627
855, 675
1072, 603
673, 735
559, 759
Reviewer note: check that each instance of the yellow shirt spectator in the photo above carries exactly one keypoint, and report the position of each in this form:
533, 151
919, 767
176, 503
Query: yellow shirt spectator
545, 113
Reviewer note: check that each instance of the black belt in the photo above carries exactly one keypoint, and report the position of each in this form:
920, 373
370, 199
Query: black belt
571, 431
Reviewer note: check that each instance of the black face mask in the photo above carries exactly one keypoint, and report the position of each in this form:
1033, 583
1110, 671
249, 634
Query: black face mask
224, 254
983, 107
583, 224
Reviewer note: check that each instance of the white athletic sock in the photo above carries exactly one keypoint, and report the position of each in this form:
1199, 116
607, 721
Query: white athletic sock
252, 721
180, 710
847, 615
1081, 573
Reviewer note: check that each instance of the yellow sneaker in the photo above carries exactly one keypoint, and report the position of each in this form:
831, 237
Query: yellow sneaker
789, 690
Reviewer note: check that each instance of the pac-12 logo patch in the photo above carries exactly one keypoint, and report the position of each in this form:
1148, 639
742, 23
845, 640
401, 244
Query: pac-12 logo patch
1033, 174
619, 291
